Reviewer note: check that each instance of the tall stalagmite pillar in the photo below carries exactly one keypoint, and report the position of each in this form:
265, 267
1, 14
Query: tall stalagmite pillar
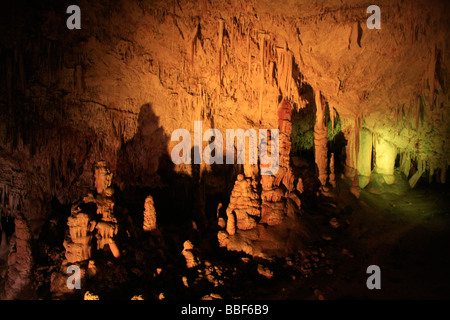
20, 259
364, 162
320, 140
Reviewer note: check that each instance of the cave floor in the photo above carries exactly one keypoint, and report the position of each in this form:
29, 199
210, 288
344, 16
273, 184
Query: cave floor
406, 235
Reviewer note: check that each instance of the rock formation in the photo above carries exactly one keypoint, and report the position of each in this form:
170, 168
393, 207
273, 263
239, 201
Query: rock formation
332, 176
20, 259
78, 243
149, 214
320, 141
188, 253
244, 204
107, 227
255, 208
275, 188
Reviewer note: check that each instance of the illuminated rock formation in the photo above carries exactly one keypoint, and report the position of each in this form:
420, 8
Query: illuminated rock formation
149, 214
332, 176
103, 177
20, 259
107, 227
78, 242
188, 253
320, 140
244, 203
385, 155
364, 160
254, 210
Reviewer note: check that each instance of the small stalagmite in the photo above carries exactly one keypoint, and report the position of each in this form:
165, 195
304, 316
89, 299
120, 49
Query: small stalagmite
188, 253
149, 214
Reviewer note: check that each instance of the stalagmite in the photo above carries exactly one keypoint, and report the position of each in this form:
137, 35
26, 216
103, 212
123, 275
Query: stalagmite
149, 214
188, 253
20, 259
332, 177
364, 162
107, 227
3, 243
231, 223
320, 140
299, 185
385, 155
350, 153
78, 242
244, 202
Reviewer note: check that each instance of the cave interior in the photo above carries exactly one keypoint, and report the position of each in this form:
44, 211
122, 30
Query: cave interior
93, 175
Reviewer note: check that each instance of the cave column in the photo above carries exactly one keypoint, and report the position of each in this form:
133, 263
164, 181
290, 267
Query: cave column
320, 140
350, 153
385, 155
364, 162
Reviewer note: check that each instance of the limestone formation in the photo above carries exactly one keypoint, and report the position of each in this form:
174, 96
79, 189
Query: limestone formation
261, 201
275, 188
149, 214
364, 160
385, 155
103, 177
299, 185
188, 253
78, 242
272, 207
223, 238
320, 140
332, 177
20, 259
107, 227
231, 223
244, 203
90, 296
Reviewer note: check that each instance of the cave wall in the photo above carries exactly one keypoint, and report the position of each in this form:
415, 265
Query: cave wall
137, 70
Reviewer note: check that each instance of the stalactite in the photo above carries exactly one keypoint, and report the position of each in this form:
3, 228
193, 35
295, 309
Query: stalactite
220, 45
262, 42
194, 42
249, 55
284, 71
405, 163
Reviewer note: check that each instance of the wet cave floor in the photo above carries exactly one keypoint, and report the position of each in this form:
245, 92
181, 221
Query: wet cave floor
406, 235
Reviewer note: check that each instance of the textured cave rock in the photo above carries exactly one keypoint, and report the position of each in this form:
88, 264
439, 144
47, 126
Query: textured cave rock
20, 259
115, 90
73, 98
